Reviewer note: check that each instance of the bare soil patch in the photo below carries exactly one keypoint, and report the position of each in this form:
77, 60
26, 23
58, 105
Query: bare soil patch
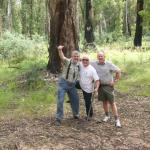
42, 134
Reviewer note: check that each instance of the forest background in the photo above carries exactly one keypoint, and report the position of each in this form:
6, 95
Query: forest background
30, 31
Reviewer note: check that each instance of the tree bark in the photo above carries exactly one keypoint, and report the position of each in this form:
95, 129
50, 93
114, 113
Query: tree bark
89, 35
9, 15
126, 23
62, 31
139, 28
1, 20
3, 14
47, 19
1, 23
31, 18
23, 17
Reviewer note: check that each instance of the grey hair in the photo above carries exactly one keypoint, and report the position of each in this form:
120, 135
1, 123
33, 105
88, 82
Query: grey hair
75, 52
102, 52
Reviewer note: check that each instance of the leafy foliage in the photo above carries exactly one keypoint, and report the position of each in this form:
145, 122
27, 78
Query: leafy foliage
16, 48
109, 15
146, 16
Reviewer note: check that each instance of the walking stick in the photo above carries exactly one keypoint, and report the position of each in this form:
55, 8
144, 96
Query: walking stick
92, 100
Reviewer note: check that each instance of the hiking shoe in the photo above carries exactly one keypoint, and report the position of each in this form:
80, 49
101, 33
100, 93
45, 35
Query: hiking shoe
88, 118
58, 122
117, 123
106, 119
76, 117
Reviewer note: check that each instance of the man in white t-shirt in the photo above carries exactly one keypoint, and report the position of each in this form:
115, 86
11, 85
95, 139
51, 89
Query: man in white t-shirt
89, 83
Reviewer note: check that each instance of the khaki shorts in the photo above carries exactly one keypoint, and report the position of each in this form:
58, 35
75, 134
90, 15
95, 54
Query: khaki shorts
106, 92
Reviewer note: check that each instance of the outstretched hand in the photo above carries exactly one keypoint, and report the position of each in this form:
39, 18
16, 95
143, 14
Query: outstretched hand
60, 47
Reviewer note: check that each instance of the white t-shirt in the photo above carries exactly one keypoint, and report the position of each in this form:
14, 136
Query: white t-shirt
87, 75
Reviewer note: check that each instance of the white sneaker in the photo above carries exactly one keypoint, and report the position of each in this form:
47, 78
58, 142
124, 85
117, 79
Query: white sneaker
106, 118
117, 123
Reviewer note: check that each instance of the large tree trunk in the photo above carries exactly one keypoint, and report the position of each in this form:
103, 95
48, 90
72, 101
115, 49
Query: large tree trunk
89, 35
139, 28
62, 31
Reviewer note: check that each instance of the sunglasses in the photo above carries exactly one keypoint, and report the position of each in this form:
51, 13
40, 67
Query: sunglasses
85, 59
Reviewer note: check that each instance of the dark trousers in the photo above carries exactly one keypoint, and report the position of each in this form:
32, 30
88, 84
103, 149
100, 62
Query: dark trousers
88, 104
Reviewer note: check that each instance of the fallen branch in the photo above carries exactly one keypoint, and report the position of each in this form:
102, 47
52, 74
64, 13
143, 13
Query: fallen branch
16, 67
147, 111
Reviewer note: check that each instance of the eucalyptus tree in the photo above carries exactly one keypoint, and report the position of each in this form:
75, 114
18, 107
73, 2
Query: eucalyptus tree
139, 26
146, 17
62, 31
1, 19
108, 18
33, 17
6, 14
89, 33
126, 19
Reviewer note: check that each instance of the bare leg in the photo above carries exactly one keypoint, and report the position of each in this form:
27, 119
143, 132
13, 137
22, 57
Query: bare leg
114, 110
106, 107
115, 113
106, 110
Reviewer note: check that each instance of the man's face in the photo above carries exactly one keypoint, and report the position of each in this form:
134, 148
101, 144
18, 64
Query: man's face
101, 57
75, 57
85, 61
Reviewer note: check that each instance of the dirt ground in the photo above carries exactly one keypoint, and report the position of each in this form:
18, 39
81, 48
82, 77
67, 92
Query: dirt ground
42, 134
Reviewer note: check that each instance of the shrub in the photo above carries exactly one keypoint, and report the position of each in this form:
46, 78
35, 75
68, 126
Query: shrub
15, 47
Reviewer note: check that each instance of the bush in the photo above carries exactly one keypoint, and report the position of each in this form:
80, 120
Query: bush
34, 81
108, 38
15, 47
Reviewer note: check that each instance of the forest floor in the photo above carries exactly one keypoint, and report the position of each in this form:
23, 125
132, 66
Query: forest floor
42, 134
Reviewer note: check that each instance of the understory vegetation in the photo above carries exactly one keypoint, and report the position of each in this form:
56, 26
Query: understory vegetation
27, 88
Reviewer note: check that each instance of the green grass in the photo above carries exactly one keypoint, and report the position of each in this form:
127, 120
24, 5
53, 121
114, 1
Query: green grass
136, 79
135, 66
29, 102
135, 71
31, 98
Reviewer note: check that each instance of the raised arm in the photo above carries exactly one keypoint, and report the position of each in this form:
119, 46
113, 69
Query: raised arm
60, 52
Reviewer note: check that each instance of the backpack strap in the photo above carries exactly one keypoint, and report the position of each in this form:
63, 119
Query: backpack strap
78, 68
68, 70
74, 72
